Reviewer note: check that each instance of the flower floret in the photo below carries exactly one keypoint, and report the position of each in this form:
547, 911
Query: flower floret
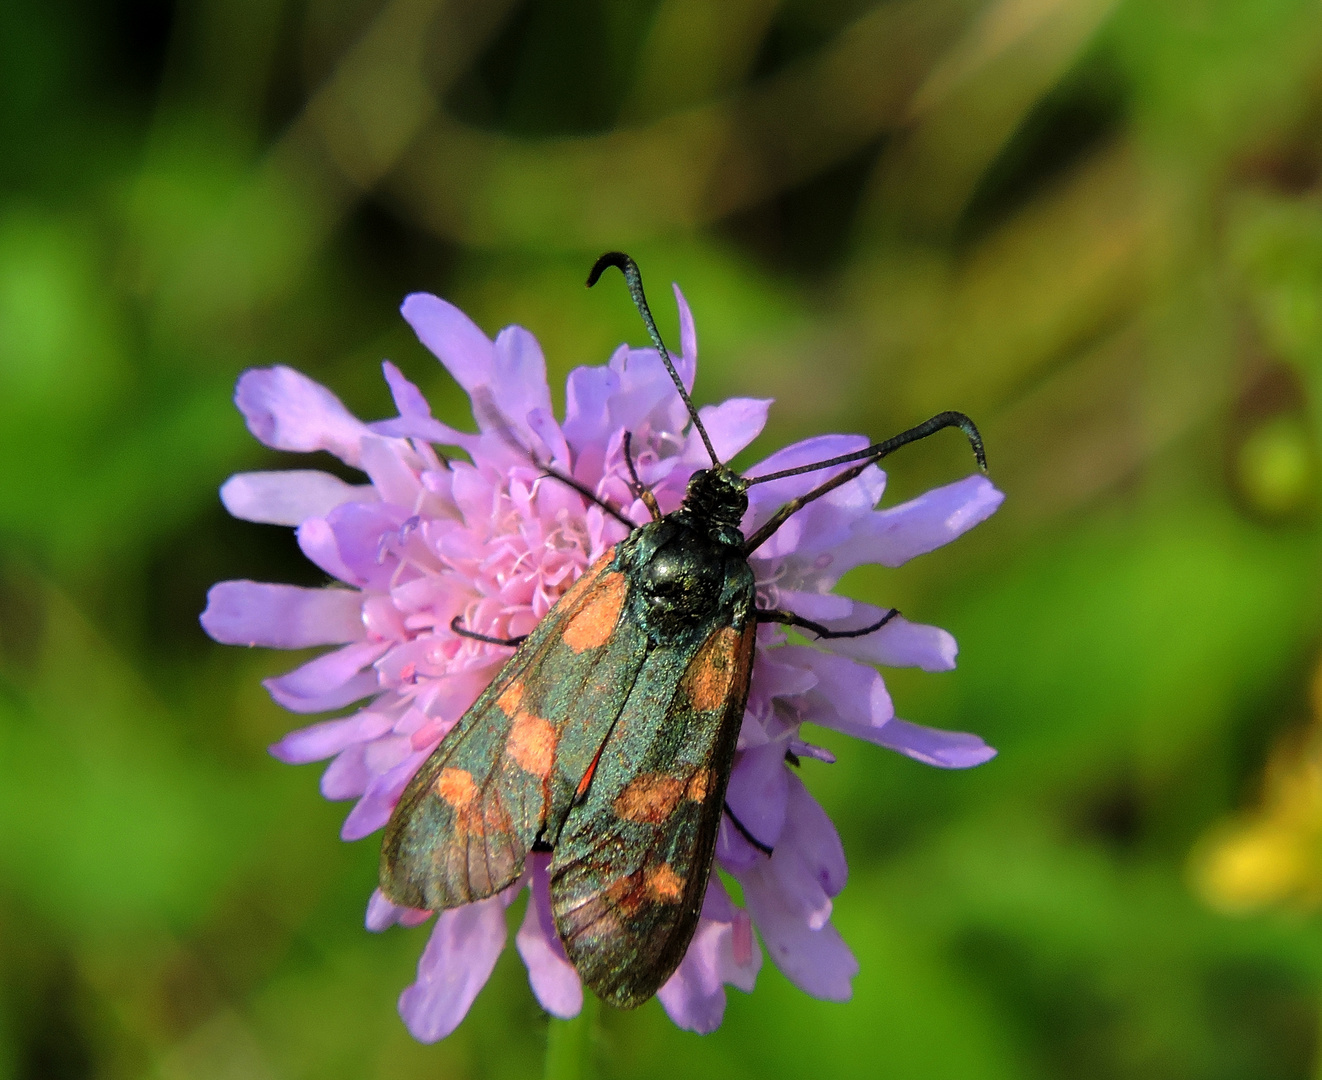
490, 543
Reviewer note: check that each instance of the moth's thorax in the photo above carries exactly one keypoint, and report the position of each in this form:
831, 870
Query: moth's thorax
714, 503
683, 581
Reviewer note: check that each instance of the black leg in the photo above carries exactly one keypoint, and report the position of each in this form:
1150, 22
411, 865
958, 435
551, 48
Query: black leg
640, 492
788, 618
487, 410
742, 830
587, 493
511, 642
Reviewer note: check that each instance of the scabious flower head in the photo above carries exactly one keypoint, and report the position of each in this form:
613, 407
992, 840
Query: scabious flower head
494, 541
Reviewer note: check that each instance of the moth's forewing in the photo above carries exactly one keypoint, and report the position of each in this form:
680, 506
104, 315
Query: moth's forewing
506, 774
630, 869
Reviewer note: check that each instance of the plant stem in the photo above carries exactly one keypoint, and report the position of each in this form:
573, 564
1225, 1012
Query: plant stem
570, 1044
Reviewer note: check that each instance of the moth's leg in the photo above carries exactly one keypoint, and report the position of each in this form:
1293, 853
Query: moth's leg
742, 830
587, 493
640, 492
510, 641
485, 408
788, 618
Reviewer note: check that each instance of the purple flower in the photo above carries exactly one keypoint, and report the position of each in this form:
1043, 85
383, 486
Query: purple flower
495, 542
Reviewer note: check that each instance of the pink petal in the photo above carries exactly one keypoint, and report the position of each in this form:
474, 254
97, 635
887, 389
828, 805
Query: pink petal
932, 746
549, 442
847, 696
453, 338
894, 536
393, 478
758, 789
373, 810
686, 363
282, 616
734, 853
899, 643
288, 411
809, 861
456, 964
408, 398
347, 776
331, 681
330, 737
765, 498
818, 962
831, 609
722, 951
316, 540
359, 529
382, 914
716, 902
777, 674
288, 498
587, 415
811, 540
415, 418
694, 996
519, 380
554, 981
732, 425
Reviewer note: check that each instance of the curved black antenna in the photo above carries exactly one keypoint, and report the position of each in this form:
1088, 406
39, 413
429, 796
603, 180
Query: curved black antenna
880, 450
629, 269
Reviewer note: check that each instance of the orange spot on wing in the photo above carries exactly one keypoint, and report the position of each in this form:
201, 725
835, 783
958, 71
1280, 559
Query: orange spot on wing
456, 787
510, 697
710, 675
649, 799
595, 621
699, 784
531, 743
664, 884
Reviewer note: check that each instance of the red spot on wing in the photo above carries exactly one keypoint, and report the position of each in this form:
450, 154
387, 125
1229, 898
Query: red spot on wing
627, 894
587, 776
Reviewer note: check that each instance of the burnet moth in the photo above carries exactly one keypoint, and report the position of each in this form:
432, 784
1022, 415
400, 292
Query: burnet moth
609, 735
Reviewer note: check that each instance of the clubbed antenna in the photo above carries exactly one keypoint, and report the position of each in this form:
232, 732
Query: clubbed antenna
882, 449
629, 269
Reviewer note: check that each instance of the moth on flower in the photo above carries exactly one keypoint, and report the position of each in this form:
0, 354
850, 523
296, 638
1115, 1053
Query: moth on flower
647, 720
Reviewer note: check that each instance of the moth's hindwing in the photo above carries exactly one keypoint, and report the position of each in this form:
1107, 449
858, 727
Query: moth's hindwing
630, 869
506, 774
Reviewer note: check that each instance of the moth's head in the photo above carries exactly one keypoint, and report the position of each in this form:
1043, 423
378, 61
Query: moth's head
717, 498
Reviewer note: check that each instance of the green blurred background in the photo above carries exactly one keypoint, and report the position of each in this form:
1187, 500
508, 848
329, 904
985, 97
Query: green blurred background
1095, 225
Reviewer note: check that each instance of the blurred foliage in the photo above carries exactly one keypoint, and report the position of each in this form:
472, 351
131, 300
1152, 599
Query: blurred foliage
1095, 225
1272, 854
